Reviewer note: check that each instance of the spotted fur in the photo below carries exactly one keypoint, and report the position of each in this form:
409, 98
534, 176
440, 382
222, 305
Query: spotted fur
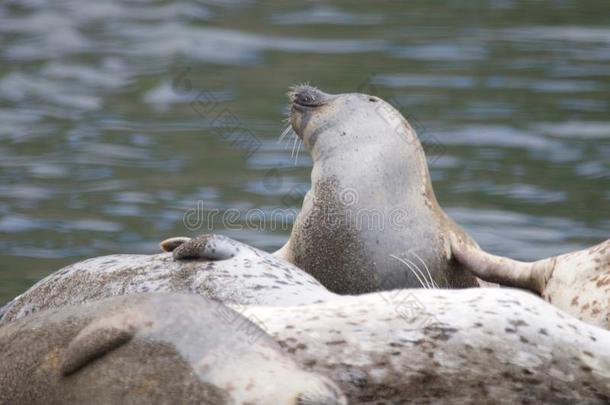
399, 346
480, 345
250, 276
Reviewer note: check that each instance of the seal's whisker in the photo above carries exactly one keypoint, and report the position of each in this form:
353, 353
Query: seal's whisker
428, 284
294, 145
434, 285
296, 156
285, 132
409, 267
287, 138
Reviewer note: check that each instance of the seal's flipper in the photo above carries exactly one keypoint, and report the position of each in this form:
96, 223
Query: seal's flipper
96, 340
284, 252
502, 270
170, 244
209, 247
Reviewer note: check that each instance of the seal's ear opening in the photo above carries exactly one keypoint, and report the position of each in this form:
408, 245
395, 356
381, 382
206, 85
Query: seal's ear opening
96, 340
207, 247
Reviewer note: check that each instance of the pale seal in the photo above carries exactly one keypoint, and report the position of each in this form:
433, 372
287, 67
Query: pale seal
477, 345
426, 345
225, 269
577, 282
371, 207
150, 348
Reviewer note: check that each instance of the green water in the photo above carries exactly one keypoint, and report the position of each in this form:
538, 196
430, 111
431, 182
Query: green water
106, 142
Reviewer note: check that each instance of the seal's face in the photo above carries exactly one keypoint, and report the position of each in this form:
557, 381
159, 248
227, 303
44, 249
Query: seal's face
336, 122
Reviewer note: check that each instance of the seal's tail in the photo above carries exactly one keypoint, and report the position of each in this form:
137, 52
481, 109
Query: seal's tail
503, 270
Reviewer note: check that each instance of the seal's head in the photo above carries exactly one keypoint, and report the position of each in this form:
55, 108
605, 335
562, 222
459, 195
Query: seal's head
330, 123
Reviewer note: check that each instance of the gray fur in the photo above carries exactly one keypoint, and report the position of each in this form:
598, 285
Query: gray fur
371, 198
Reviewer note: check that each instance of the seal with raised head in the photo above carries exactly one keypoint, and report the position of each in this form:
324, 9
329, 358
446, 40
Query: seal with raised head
576, 282
214, 266
371, 208
151, 348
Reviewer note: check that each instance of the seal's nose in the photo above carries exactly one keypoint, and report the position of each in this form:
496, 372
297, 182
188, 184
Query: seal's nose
308, 96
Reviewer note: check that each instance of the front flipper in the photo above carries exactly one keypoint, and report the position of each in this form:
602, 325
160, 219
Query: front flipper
502, 270
208, 247
99, 338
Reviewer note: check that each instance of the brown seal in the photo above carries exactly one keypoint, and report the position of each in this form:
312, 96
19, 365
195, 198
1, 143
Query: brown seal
150, 348
371, 220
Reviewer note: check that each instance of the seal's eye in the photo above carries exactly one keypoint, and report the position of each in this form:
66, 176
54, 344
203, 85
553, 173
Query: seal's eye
372, 100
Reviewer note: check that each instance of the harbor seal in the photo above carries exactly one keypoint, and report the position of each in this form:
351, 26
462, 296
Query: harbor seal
576, 282
437, 345
462, 346
222, 269
371, 207
150, 348
422, 345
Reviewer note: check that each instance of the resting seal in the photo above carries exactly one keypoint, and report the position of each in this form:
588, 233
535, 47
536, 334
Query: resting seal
419, 345
223, 269
371, 207
577, 282
477, 345
150, 348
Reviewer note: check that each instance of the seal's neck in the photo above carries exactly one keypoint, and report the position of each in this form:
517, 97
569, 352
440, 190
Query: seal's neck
394, 168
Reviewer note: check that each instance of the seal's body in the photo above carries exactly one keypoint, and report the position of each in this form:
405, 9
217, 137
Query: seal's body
412, 345
576, 282
371, 208
150, 348
477, 345
224, 269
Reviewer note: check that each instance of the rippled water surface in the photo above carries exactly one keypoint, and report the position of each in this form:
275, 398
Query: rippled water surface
114, 116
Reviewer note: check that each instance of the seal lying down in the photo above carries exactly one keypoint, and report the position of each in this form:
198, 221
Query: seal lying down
222, 269
461, 346
150, 348
414, 345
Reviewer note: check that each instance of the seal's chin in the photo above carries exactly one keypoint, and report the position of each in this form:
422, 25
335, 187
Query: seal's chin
296, 117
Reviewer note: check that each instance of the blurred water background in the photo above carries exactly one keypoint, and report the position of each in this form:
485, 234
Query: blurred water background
105, 142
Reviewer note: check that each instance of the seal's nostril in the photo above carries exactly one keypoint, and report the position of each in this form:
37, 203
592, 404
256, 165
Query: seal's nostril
308, 96
305, 98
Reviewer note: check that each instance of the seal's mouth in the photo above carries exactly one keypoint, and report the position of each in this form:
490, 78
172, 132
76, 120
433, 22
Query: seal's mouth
306, 97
